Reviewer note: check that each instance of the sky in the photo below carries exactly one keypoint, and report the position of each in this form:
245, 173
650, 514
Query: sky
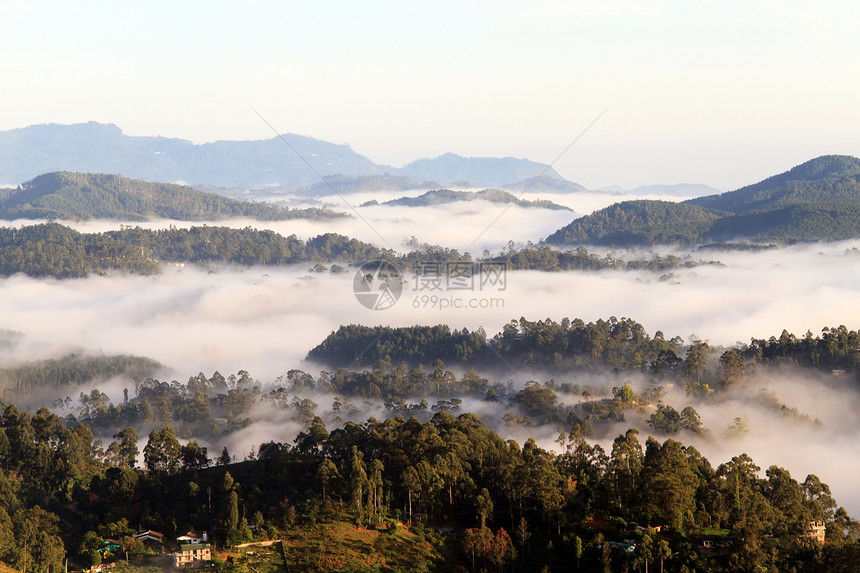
717, 92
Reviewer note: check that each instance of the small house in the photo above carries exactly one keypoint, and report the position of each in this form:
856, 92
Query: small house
817, 531
193, 537
149, 536
192, 555
715, 542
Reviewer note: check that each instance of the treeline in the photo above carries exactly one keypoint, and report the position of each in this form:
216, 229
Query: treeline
58, 251
543, 343
542, 257
75, 369
835, 348
62, 495
205, 407
215, 406
212, 407
55, 250
615, 343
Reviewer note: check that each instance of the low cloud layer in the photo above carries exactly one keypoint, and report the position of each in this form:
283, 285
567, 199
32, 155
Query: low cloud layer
469, 226
265, 321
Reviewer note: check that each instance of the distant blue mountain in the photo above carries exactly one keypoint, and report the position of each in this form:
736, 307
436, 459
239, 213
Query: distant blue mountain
676, 190
103, 148
546, 184
94, 147
479, 171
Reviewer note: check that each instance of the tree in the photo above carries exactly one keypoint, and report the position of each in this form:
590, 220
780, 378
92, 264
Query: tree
645, 549
669, 482
625, 465
624, 394
230, 514
194, 457
357, 477
666, 419
697, 356
663, 551
89, 547
224, 459
412, 482
731, 367
786, 495
478, 542
523, 535
162, 453
818, 498
40, 548
123, 452
690, 420
326, 474
311, 440
535, 399
501, 549
120, 484
130, 545
49, 553
484, 506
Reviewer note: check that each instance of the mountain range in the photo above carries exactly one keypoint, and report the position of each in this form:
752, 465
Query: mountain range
817, 200
93, 147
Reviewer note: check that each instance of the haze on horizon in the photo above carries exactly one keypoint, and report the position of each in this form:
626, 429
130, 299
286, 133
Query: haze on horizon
716, 93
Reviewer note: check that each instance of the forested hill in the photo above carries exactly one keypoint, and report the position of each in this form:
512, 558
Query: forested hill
640, 222
826, 179
816, 201
344, 496
567, 345
51, 249
442, 196
55, 250
82, 196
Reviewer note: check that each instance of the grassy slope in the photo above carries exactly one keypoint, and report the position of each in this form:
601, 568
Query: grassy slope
340, 547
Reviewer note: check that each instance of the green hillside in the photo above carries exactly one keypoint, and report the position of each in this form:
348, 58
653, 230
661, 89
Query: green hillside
826, 179
793, 223
442, 196
816, 201
638, 222
82, 196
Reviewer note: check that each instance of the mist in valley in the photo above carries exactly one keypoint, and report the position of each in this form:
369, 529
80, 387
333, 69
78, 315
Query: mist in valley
265, 320
465, 225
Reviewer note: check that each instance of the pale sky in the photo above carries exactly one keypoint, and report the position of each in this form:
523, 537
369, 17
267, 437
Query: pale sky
724, 93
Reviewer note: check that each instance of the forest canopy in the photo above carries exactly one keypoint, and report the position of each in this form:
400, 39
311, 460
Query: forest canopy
816, 201
84, 196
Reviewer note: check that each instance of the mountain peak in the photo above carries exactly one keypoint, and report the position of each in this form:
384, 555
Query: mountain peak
825, 166
824, 179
